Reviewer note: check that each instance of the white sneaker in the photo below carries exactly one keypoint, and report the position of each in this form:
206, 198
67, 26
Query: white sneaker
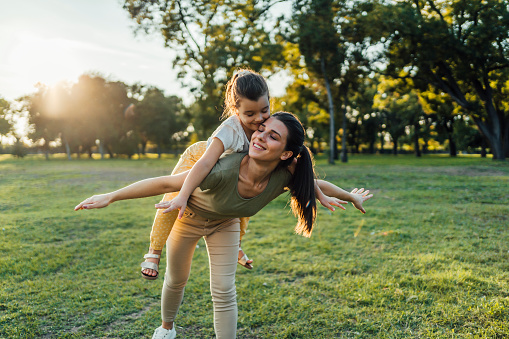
162, 333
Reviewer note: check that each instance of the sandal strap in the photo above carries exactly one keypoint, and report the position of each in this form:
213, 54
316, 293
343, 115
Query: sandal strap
152, 256
243, 260
150, 266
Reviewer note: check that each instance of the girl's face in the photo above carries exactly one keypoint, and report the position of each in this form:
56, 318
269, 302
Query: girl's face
268, 143
253, 113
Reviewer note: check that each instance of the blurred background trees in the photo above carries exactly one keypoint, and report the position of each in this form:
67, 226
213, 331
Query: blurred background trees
398, 76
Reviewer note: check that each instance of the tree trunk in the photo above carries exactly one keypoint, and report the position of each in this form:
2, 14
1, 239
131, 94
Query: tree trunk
332, 129
491, 138
67, 149
110, 152
395, 146
159, 151
382, 143
46, 149
452, 146
425, 146
372, 147
491, 128
344, 156
101, 148
416, 141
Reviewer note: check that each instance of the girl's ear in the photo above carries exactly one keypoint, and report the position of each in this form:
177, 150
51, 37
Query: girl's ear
286, 155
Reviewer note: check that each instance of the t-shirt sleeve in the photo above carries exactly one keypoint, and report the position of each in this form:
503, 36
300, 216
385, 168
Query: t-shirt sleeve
230, 138
231, 135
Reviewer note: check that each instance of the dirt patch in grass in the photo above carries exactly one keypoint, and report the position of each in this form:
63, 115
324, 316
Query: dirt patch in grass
469, 171
133, 316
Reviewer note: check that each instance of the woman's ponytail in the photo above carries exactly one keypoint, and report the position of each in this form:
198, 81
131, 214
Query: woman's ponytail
302, 188
302, 184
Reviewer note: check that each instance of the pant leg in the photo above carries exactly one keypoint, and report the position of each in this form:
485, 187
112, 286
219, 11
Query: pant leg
223, 247
243, 226
179, 254
163, 222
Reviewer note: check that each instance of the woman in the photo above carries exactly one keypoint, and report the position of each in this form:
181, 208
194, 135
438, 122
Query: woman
239, 185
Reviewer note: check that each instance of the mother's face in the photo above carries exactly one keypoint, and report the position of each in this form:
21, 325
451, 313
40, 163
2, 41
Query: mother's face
268, 143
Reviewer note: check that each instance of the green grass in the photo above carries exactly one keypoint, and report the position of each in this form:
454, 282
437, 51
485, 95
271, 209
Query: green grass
430, 259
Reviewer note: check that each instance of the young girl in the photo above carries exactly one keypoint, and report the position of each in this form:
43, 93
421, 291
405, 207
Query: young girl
246, 107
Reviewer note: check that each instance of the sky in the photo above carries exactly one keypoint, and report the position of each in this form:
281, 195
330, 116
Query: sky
49, 41
53, 40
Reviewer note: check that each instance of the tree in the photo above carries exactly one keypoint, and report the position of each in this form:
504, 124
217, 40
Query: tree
159, 117
80, 115
96, 113
370, 118
443, 112
319, 43
400, 108
46, 114
5, 125
458, 47
211, 39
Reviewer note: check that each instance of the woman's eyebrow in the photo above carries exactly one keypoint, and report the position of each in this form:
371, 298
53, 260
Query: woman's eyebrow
271, 130
275, 132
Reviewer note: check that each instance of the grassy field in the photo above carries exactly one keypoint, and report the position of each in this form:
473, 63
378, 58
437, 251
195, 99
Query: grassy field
430, 259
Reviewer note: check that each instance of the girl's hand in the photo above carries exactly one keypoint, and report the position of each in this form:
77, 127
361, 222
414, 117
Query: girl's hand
96, 201
329, 202
358, 197
178, 202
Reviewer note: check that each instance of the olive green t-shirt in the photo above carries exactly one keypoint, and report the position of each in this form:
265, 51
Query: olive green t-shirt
218, 196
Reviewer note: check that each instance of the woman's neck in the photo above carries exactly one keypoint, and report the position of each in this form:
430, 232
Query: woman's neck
256, 172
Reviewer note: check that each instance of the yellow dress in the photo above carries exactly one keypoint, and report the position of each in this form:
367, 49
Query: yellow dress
163, 222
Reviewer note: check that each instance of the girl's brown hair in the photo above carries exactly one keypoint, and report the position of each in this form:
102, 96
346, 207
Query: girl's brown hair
245, 83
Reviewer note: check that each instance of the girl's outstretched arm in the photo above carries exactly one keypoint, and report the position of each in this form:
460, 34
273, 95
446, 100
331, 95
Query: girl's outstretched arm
140, 189
196, 175
356, 197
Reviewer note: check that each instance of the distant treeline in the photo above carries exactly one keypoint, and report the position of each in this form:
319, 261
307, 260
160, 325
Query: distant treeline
363, 76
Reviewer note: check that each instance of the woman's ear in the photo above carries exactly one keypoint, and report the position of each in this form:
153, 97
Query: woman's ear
286, 155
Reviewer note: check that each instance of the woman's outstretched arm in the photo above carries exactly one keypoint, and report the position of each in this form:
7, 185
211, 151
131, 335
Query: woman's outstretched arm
356, 197
140, 189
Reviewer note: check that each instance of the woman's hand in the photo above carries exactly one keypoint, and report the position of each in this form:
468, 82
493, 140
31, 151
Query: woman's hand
358, 198
329, 202
96, 201
178, 202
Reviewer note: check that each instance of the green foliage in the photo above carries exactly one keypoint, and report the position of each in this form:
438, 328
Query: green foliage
428, 260
19, 149
5, 125
211, 39
158, 118
400, 107
459, 47
96, 112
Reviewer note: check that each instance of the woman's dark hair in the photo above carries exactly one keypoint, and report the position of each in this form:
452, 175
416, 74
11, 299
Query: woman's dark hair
243, 84
302, 184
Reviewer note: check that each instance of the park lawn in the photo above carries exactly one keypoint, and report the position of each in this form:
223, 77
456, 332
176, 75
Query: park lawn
428, 260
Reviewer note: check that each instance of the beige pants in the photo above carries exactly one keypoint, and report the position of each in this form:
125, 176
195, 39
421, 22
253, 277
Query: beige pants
222, 239
163, 222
